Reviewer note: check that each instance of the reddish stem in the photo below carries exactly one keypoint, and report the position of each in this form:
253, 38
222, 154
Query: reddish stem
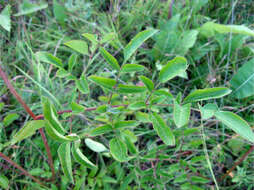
7, 159
29, 111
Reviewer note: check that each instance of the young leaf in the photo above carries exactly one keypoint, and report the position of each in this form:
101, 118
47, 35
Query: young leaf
64, 154
236, 123
78, 45
49, 58
181, 114
28, 130
173, 68
118, 150
130, 145
54, 134
209, 29
101, 130
103, 82
10, 118
163, 92
95, 146
91, 37
208, 110
148, 83
50, 116
137, 41
82, 85
162, 129
128, 68
59, 12
62, 73
123, 124
72, 61
130, 89
143, 117
26, 8
80, 157
137, 105
76, 108
110, 59
243, 81
5, 18
4, 182
1, 106
207, 94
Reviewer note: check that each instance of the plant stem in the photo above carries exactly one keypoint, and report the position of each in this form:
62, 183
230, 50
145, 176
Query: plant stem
30, 112
26, 173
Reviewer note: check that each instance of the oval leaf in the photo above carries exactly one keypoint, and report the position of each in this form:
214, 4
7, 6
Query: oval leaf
110, 59
103, 82
147, 82
118, 150
128, 68
130, 89
236, 123
5, 18
207, 94
243, 81
137, 41
64, 154
173, 68
181, 114
95, 146
82, 85
101, 130
123, 124
54, 134
4, 182
162, 129
49, 58
78, 45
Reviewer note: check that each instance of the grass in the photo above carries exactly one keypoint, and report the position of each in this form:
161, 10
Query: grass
212, 62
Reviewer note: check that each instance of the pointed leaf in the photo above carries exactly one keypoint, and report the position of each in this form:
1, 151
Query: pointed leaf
82, 85
101, 130
26, 7
49, 58
207, 94
208, 110
76, 108
110, 59
181, 114
72, 62
148, 83
118, 150
60, 12
123, 124
162, 129
91, 37
137, 105
80, 157
137, 41
78, 45
174, 68
95, 146
64, 154
243, 81
54, 134
128, 68
236, 123
103, 82
8, 119
28, 130
4, 182
5, 18
130, 89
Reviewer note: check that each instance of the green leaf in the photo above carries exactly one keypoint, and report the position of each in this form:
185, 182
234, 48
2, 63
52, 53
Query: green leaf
60, 12
5, 18
54, 134
123, 124
128, 68
137, 105
130, 89
78, 45
1, 106
62, 73
103, 82
130, 145
143, 117
27, 7
118, 150
72, 62
173, 68
181, 114
236, 123
64, 154
4, 182
208, 110
28, 130
197, 179
10, 118
207, 94
95, 146
82, 85
162, 129
243, 81
137, 41
101, 130
50, 115
210, 28
147, 82
49, 58
80, 157
110, 59
91, 37
76, 108
163, 92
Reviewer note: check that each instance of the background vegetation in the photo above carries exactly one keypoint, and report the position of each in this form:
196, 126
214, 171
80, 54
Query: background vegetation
201, 155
